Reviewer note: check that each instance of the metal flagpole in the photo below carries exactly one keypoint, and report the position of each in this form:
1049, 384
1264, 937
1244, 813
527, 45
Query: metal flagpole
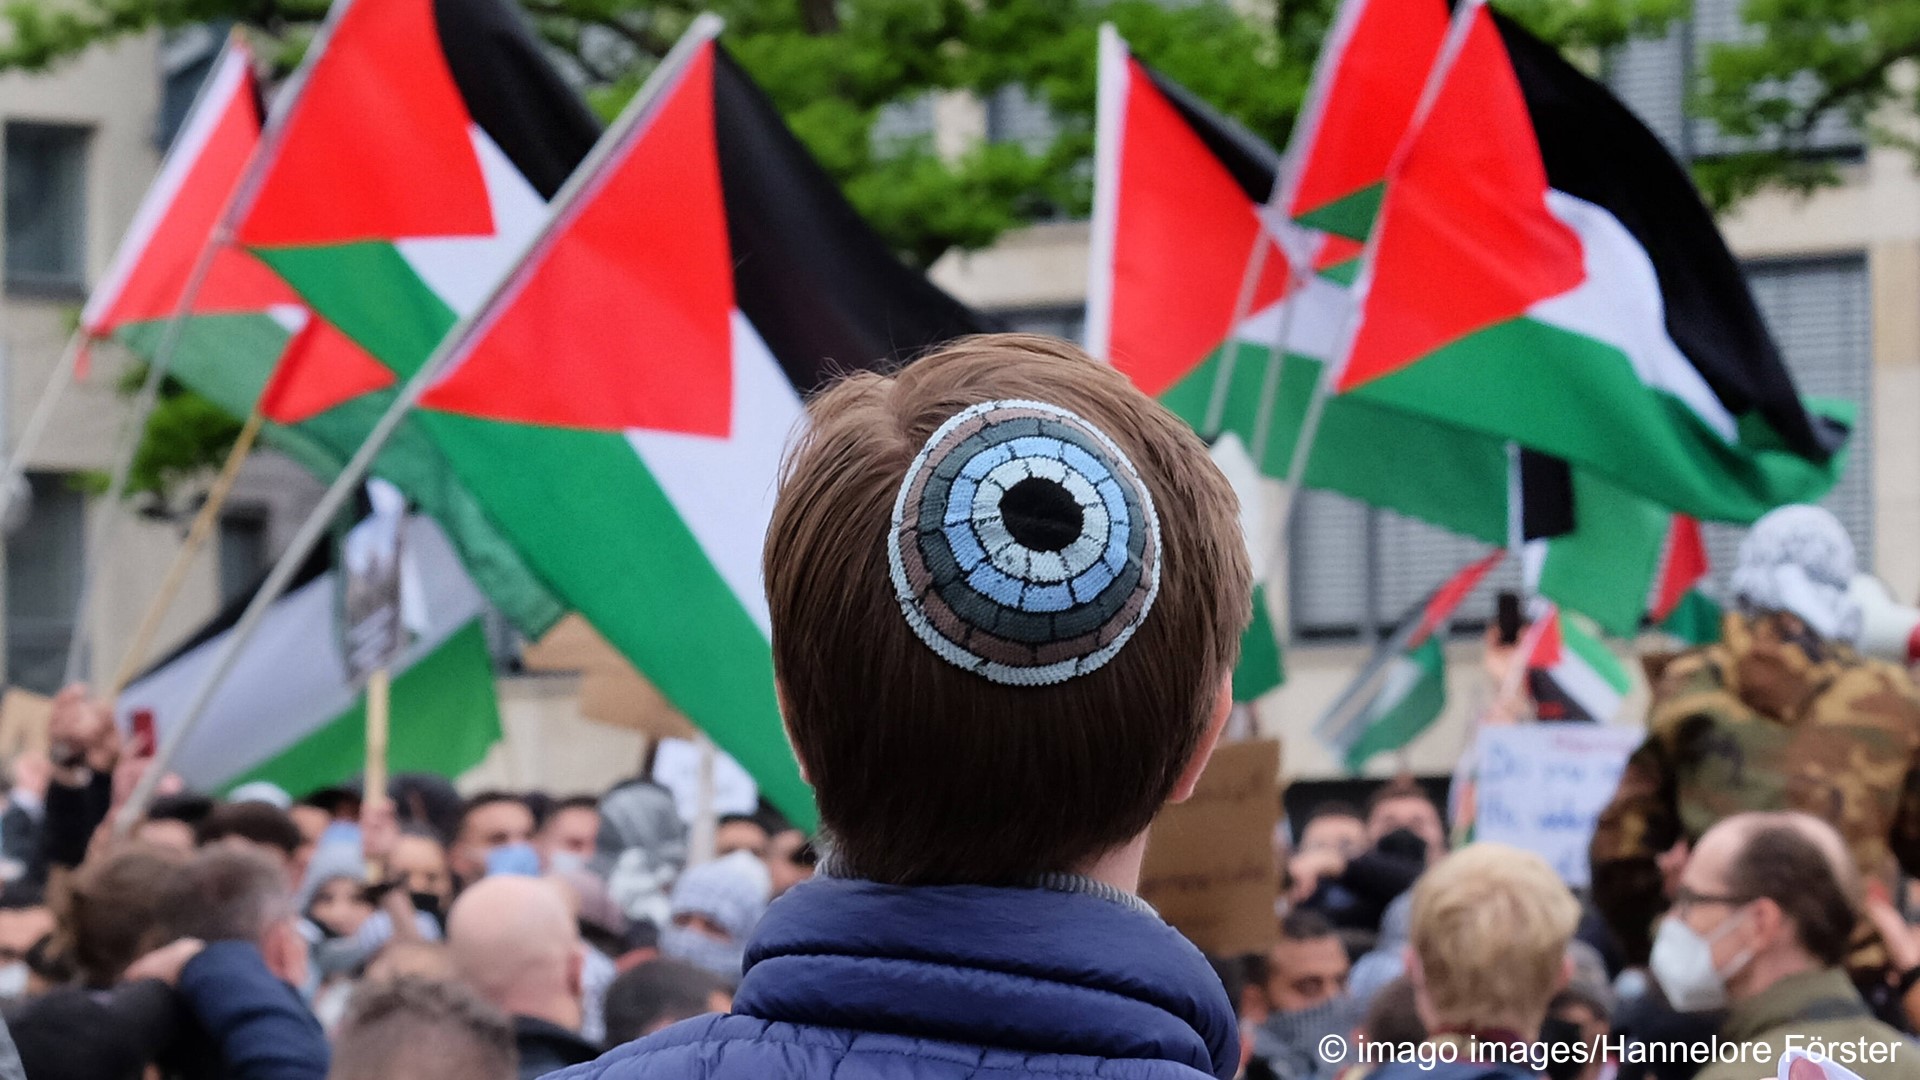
585, 178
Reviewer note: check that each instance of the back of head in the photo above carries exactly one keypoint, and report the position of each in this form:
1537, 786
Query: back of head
234, 893
514, 940
409, 1028
254, 822
655, 994
1490, 930
984, 690
115, 908
1801, 864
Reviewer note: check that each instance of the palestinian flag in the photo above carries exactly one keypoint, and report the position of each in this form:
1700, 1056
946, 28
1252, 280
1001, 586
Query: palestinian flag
1678, 606
1367, 85
1588, 308
1178, 199
1407, 676
289, 713
1178, 209
622, 408
1571, 674
248, 341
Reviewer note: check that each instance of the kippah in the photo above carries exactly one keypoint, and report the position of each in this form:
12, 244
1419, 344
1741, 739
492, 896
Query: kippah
1024, 545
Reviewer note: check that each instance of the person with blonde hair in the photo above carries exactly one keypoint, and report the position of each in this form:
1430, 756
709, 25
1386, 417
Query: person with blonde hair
1486, 954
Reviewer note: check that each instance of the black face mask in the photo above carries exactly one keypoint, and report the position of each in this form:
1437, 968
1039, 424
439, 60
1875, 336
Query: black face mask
1403, 844
426, 903
1557, 1032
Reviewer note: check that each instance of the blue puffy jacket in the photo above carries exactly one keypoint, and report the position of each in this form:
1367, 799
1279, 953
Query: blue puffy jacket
851, 979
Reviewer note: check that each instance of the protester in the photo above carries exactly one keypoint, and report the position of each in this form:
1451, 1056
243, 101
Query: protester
421, 865
658, 994
1761, 924
1403, 834
988, 800
1780, 715
1488, 954
740, 832
641, 849
790, 860
116, 909
513, 941
496, 832
1298, 994
23, 821
260, 825
567, 836
715, 907
410, 1028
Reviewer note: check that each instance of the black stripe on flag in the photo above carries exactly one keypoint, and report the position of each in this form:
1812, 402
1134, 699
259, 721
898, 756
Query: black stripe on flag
1246, 156
1596, 149
821, 287
513, 92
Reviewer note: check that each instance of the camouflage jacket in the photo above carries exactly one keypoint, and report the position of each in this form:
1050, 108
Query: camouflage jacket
1768, 719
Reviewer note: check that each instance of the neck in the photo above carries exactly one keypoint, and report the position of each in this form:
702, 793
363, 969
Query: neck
560, 1010
1768, 969
1119, 867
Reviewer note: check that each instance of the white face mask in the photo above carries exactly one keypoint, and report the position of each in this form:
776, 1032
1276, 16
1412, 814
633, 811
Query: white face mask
1682, 964
13, 981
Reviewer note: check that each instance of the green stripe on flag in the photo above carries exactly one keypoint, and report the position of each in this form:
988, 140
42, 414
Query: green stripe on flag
1604, 569
1595, 654
370, 292
1409, 702
227, 359
1426, 469
445, 717
1351, 216
1262, 667
1696, 619
1633, 434
568, 497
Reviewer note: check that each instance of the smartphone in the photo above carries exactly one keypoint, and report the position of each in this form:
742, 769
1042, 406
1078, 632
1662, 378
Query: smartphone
1509, 617
144, 741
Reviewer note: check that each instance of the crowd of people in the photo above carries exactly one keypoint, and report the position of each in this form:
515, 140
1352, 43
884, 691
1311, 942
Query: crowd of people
988, 747
423, 934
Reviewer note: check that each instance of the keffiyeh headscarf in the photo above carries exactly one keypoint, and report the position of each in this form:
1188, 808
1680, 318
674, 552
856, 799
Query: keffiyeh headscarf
1799, 559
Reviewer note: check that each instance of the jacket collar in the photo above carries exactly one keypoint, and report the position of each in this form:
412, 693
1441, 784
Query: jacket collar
1794, 999
1024, 969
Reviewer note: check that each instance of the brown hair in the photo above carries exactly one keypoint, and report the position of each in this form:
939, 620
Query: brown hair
410, 1026
116, 908
234, 893
928, 773
1781, 863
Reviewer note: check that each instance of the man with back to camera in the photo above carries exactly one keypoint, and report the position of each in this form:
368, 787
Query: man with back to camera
1006, 591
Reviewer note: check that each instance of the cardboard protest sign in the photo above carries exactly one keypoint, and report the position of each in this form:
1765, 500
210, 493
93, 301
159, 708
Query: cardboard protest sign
1541, 786
1210, 868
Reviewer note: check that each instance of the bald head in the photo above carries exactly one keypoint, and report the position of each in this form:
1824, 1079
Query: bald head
1728, 842
1792, 876
515, 942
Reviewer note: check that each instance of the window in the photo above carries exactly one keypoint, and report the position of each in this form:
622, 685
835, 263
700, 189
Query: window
243, 552
1820, 311
44, 557
1015, 115
46, 199
903, 126
1653, 77
1357, 569
1061, 322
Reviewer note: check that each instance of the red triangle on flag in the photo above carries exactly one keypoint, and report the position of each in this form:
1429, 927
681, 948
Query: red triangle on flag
1451, 593
321, 368
378, 144
180, 214
1182, 240
621, 319
1683, 563
1378, 72
1546, 641
1465, 239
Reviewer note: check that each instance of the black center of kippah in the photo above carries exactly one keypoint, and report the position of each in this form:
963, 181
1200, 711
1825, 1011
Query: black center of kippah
1041, 514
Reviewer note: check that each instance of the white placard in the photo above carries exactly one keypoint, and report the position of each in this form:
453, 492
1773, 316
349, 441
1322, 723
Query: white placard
1541, 786
676, 767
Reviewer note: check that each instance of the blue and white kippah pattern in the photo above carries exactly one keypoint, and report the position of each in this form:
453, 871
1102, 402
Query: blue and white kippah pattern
1024, 545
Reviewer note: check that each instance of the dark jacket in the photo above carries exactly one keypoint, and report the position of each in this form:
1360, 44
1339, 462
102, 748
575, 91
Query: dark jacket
546, 1047
852, 978
259, 1025
74, 1033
